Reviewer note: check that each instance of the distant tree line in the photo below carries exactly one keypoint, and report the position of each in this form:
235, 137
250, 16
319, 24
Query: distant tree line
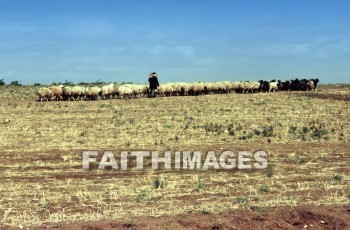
98, 82
15, 83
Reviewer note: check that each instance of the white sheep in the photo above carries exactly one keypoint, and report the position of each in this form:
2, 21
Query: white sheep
107, 91
57, 91
93, 92
67, 93
310, 85
44, 93
273, 87
125, 92
78, 92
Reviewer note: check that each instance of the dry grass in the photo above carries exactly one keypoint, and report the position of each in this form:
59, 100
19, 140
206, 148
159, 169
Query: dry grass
42, 180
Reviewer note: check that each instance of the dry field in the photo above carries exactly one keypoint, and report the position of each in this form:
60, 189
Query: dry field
307, 182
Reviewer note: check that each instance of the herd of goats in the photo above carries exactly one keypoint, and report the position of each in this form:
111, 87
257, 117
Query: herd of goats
130, 91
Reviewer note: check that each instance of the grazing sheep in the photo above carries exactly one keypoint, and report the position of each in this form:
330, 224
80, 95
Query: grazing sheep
255, 86
115, 93
78, 92
175, 89
234, 86
210, 88
57, 91
67, 93
221, 87
284, 85
310, 85
93, 93
161, 90
196, 88
125, 92
44, 93
134, 88
143, 90
172, 89
138, 90
165, 90
264, 86
273, 86
107, 91
240, 87
168, 89
315, 81
302, 85
181, 88
227, 85
247, 87
178, 88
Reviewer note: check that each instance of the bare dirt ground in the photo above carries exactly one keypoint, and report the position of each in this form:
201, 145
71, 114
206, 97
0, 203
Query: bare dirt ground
340, 94
306, 184
323, 217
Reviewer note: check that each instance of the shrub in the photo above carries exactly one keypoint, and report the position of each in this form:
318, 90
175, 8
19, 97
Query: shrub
337, 178
264, 188
305, 129
213, 127
231, 129
318, 133
199, 185
241, 200
205, 211
247, 136
269, 174
130, 223
15, 83
256, 132
292, 129
302, 136
268, 131
143, 197
158, 183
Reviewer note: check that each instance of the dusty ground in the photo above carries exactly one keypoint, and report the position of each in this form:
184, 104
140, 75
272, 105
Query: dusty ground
306, 135
323, 217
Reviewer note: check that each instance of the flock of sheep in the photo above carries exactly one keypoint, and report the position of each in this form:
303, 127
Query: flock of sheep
126, 91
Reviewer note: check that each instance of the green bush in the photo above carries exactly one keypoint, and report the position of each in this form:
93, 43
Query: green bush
264, 188
158, 183
15, 83
241, 200
268, 131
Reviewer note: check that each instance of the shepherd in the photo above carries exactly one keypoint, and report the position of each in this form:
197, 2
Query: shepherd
153, 84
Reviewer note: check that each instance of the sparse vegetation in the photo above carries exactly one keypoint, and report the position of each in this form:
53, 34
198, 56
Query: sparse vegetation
158, 183
130, 223
41, 155
268, 131
337, 177
241, 200
270, 173
199, 185
144, 197
264, 188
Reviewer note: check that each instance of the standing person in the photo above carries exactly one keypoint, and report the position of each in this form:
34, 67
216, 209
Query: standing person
153, 83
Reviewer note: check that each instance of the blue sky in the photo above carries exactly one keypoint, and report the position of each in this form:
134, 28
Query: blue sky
88, 40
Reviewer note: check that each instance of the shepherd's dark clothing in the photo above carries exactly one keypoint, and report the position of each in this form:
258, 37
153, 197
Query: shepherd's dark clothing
153, 85
153, 82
